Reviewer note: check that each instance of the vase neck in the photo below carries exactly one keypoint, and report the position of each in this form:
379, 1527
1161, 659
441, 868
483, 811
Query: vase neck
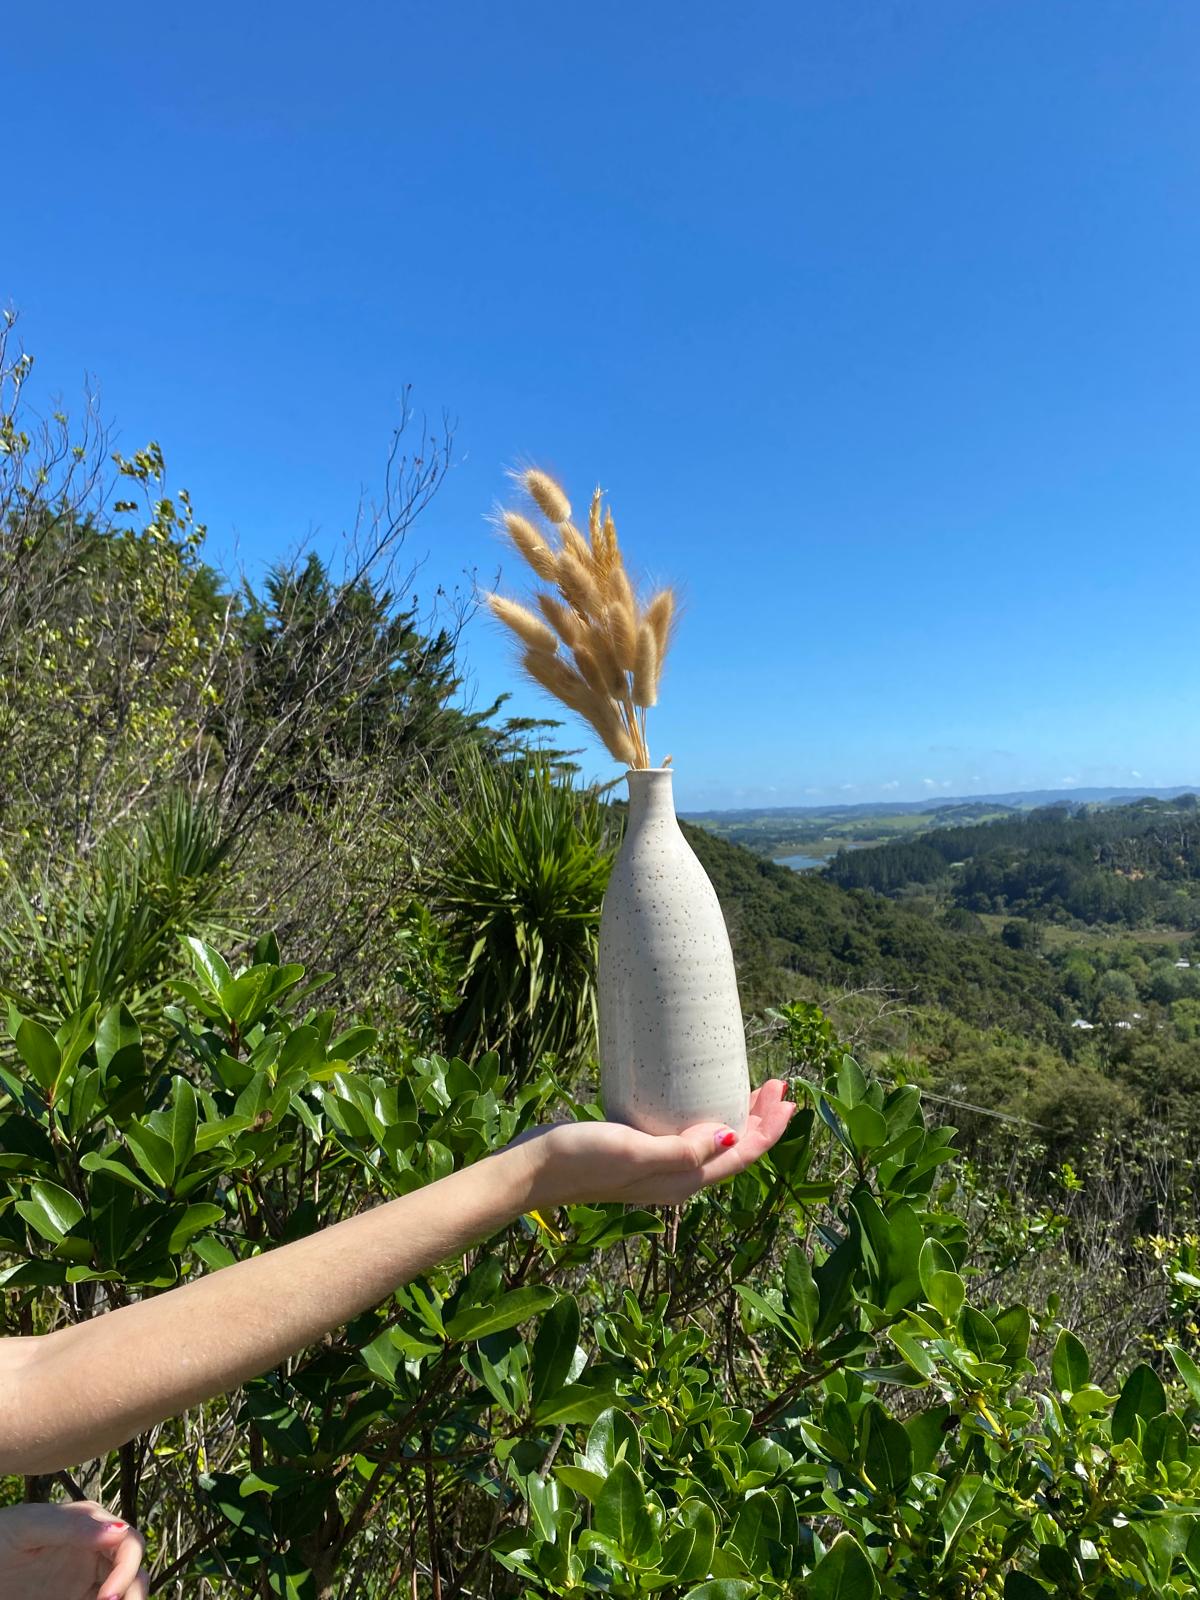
651, 802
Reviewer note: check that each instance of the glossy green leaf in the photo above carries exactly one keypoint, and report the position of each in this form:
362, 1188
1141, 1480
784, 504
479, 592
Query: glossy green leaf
1142, 1397
194, 1220
801, 1294
475, 1322
621, 1514
209, 964
50, 1210
39, 1052
118, 1038
576, 1403
843, 1573
1070, 1366
554, 1348
1187, 1370
152, 1152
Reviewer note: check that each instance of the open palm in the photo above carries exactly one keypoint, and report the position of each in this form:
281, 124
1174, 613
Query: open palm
604, 1161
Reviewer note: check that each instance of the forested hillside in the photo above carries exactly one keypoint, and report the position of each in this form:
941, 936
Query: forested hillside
1135, 866
784, 923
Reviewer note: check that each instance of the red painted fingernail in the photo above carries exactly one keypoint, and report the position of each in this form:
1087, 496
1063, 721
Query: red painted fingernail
726, 1139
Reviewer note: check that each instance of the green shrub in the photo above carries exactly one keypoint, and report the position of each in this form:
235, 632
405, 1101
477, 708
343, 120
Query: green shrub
793, 1387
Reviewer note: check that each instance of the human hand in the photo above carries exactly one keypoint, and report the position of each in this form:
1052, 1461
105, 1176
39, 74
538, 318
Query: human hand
574, 1162
69, 1552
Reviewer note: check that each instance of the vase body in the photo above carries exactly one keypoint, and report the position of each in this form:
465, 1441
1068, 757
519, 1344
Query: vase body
672, 1045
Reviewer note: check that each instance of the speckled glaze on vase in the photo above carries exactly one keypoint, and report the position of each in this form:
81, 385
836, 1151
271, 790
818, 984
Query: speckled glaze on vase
672, 1047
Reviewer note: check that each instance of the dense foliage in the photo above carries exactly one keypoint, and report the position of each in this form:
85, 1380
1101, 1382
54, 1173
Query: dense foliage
794, 1385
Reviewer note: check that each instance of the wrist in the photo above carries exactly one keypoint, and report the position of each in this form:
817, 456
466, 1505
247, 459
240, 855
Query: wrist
535, 1164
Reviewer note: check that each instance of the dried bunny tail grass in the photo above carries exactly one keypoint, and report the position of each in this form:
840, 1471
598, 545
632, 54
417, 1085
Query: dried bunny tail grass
549, 496
529, 543
616, 736
620, 590
595, 532
591, 668
660, 614
577, 585
558, 678
531, 630
603, 647
612, 553
647, 666
554, 675
621, 622
561, 618
574, 541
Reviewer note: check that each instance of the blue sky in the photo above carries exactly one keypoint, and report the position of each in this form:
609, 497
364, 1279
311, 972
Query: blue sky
877, 320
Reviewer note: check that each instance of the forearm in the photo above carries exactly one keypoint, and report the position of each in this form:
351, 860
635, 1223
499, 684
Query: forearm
88, 1388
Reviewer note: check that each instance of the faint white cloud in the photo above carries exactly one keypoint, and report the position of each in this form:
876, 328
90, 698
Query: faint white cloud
929, 783
1134, 773
848, 788
894, 784
1068, 783
812, 789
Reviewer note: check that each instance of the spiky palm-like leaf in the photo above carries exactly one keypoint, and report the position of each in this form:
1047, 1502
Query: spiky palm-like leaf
519, 889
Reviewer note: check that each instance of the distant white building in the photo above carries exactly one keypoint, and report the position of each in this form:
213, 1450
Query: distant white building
1080, 1023
1182, 965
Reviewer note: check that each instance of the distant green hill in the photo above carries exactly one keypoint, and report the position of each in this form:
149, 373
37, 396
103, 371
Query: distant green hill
1133, 866
784, 922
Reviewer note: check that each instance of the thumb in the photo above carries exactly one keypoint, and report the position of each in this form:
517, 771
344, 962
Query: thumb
701, 1144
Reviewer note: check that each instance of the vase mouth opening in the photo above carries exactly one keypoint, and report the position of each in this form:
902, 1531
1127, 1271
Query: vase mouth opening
648, 772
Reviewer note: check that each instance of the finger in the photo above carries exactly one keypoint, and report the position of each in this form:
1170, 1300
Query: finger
82, 1522
691, 1150
139, 1589
758, 1138
127, 1559
768, 1094
768, 1126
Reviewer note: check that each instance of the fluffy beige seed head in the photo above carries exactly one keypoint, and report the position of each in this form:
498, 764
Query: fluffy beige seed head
660, 614
549, 497
612, 553
554, 675
529, 542
557, 678
592, 672
577, 584
621, 620
574, 541
617, 740
528, 628
561, 618
618, 588
646, 667
603, 647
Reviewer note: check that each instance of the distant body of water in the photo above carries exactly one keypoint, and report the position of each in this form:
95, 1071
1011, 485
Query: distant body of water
802, 863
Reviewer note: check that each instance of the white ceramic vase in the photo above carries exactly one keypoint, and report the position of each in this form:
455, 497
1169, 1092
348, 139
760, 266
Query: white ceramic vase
672, 1046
